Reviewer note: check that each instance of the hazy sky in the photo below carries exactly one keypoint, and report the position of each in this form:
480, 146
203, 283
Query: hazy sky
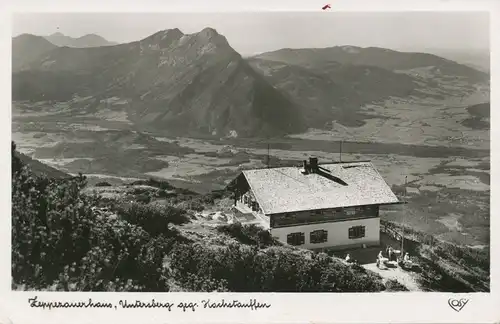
251, 33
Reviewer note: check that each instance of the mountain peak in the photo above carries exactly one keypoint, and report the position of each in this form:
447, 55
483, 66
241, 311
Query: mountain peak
208, 32
91, 37
173, 32
210, 35
57, 34
351, 49
164, 38
176, 31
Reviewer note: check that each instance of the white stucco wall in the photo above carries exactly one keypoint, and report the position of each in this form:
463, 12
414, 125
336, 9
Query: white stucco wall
338, 233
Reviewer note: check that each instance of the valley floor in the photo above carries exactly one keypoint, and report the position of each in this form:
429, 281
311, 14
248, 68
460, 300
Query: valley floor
446, 164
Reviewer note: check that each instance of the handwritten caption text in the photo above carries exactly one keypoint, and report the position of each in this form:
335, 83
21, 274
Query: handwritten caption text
251, 304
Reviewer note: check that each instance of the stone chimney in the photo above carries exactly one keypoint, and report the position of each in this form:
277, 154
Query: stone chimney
313, 164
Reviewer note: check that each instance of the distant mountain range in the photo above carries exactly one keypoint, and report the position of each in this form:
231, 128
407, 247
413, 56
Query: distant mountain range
89, 40
27, 48
335, 82
372, 56
191, 84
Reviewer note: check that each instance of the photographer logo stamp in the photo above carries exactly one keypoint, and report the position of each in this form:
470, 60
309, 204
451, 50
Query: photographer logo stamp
457, 304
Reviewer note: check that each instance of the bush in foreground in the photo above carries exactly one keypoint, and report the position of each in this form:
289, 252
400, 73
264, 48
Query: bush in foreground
249, 234
155, 219
244, 268
59, 243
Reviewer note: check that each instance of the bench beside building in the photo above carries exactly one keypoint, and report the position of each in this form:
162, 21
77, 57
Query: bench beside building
315, 206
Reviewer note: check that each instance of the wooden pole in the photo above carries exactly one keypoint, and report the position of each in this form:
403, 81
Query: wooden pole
341, 151
404, 217
268, 155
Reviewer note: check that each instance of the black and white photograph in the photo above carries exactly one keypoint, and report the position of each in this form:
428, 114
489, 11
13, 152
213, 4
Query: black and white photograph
318, 162
251, 152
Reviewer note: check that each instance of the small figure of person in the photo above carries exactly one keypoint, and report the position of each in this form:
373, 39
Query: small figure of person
406, 257
379, 258
348, 258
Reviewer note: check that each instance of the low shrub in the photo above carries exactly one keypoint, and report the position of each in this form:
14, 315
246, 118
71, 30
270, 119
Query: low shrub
103, 184
246, 268
154, 219
191, 205
143, 199
392, 285
160, 184
250, 234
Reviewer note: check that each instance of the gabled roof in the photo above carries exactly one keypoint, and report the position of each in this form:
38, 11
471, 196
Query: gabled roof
287, 189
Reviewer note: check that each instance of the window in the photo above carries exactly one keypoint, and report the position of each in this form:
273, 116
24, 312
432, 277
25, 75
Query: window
350, 211
356, 232
319, 236
295, 238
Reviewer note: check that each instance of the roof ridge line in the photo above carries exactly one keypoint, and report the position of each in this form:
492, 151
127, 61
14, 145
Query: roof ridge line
300, 165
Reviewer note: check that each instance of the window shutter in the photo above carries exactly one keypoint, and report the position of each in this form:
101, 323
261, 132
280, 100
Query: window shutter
295, 238
356, 232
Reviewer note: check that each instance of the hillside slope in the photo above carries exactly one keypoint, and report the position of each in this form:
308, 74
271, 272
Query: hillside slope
184, 84
27, 48
334, 91
38, 168
479, 117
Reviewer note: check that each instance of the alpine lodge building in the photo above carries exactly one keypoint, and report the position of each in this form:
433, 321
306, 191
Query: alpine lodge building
333, 206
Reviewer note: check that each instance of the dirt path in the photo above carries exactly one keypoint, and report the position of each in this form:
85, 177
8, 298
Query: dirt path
403, 277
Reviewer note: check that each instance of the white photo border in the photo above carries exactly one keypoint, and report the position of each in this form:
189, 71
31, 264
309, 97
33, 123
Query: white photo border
285, 308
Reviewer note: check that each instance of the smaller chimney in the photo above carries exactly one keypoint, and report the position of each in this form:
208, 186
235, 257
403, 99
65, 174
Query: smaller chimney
313, 164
